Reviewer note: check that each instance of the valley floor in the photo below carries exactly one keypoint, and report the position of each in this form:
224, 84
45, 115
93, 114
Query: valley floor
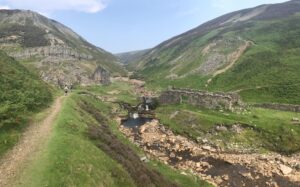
80, 143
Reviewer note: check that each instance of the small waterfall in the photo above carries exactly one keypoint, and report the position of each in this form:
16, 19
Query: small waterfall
135, 116
147, 107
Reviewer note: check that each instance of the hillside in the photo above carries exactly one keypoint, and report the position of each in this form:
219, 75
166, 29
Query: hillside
254, 52
58, 54
21, 93
127, 57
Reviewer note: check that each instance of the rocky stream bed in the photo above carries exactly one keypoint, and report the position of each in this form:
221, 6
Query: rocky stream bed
211, 163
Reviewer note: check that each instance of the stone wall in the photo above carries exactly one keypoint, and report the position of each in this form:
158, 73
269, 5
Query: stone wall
57, 51
282, 107
199, 98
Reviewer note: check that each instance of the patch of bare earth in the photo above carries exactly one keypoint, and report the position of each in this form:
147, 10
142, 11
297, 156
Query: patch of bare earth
232, 58
33, 139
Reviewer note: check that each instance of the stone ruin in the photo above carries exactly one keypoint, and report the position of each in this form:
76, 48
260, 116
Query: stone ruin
209, 100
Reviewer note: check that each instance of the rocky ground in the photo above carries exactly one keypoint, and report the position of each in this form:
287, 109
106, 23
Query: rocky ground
213, 164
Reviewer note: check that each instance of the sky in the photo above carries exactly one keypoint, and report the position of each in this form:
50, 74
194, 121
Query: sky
128, 25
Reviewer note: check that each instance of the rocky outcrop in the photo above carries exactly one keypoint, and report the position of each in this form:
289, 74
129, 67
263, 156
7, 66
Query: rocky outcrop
199, 98
71, 72
101, 76
283, 107
50, 51
58, 54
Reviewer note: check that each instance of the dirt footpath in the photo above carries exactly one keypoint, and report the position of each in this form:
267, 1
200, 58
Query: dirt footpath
14, 161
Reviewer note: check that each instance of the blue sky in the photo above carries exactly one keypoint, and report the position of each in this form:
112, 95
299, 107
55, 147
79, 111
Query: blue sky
126, 25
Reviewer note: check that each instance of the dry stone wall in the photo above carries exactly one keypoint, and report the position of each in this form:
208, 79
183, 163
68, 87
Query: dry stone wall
282, 107
200, 98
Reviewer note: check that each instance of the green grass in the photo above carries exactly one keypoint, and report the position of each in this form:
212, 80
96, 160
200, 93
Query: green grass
176, 176
22, 95
268, 72
71, 158
271, 130
127, 96
119, 90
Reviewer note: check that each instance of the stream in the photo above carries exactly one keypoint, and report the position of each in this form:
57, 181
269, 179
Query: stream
135, 122
217, 167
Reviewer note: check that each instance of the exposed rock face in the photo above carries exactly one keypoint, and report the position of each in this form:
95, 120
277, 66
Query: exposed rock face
63, 52
200, 98
59, 54
101, 76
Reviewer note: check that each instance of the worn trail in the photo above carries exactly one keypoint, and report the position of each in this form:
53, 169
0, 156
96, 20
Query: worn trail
33, 139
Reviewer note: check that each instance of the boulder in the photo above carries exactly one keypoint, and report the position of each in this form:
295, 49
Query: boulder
144, 159
221, 128
285, 170
218, 180
208, 148
183, 173
172, 155
246, 174
142, 129
225, 177
237, 129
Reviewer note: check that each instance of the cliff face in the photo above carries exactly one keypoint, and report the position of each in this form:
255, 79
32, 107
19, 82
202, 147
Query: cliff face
58, 53
101, 76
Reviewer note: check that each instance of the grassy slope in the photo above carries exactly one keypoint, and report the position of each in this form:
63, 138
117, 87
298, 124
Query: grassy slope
272, 64
272, 130
267, 72
21, 95
71, 158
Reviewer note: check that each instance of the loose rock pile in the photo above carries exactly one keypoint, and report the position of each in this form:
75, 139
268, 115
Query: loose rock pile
210, 163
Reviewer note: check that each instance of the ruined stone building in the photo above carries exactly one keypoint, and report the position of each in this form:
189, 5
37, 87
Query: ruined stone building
204, 99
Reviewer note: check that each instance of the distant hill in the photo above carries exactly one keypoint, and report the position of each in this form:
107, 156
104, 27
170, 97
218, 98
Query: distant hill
58, 53
132, 56
254, 52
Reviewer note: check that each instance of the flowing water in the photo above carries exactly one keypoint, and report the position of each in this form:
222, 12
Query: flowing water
135, 122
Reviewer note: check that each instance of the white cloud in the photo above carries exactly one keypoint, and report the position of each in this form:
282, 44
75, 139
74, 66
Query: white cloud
4, 7
50, 6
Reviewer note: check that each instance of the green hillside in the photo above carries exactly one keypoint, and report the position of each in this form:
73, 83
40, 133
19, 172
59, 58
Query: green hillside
21, 94
256, 56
